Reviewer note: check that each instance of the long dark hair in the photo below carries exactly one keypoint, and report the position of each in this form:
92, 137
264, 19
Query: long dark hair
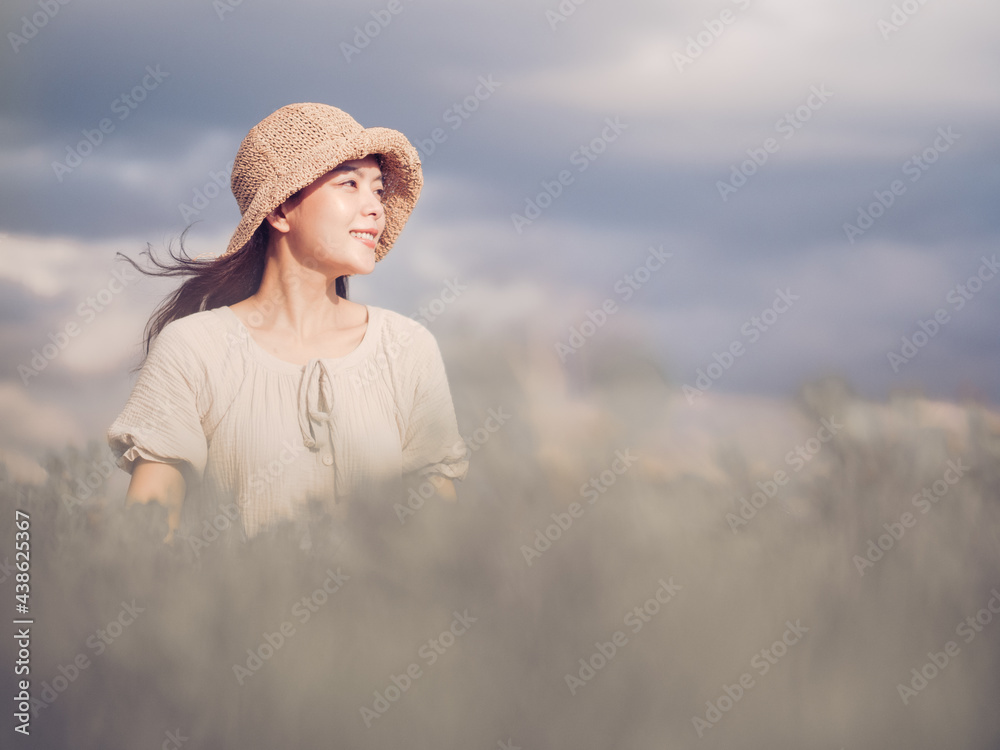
213, 283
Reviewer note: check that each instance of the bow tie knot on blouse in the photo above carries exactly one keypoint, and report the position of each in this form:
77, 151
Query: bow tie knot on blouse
315, 400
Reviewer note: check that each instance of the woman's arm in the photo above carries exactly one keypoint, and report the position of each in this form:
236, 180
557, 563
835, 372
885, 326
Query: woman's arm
157, 482
444, 486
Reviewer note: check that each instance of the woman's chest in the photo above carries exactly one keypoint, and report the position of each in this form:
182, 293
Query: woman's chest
273, 417
332, 345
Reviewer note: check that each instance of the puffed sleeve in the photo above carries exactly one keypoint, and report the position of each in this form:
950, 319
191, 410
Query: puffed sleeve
433, 444
162, 419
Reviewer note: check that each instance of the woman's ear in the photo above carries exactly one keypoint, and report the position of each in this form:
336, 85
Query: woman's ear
278, 220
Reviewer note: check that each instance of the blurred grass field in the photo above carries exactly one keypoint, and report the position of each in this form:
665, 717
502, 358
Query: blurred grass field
504, 678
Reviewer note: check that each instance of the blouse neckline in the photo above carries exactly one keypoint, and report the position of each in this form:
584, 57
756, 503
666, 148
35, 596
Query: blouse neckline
360, 353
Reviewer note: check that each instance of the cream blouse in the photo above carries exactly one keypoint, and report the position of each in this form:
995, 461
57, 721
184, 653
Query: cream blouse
273, 436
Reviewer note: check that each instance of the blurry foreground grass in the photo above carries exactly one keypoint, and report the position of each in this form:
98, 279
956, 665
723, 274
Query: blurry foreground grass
438, 633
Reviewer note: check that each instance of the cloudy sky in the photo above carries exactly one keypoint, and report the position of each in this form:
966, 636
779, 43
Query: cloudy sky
820, 177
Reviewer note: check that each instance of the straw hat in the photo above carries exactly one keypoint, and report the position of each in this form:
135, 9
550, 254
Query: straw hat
298, 144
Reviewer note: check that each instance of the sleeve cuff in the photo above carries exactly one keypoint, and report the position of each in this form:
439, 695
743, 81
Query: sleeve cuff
126, 462
452, 469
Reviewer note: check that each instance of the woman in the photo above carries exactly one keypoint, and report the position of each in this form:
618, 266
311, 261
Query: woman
263, 385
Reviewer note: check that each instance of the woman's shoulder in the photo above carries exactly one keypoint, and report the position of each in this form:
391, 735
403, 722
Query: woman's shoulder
200, 329
402, 330
199, 338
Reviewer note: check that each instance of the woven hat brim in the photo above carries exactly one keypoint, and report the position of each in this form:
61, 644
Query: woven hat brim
402, 180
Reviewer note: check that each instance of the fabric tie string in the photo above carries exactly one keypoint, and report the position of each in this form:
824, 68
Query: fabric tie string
315, 390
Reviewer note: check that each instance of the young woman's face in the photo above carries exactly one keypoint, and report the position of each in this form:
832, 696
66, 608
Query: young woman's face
339, 218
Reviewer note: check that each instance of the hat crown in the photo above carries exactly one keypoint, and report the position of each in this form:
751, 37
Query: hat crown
280, 142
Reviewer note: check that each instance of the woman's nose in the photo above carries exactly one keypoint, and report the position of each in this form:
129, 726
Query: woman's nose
373, 204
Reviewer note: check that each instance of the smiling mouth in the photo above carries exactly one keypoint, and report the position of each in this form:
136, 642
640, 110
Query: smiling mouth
366, 237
